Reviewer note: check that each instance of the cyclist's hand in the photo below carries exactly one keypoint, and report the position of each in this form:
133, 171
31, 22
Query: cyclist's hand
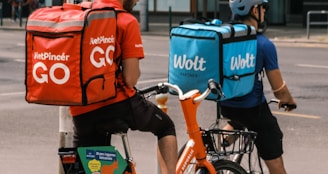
287, 106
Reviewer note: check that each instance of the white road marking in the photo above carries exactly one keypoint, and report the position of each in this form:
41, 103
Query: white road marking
165, 79
12, 93
157, 55
312, 66
21, 44
296, 115
152, 81
19, 60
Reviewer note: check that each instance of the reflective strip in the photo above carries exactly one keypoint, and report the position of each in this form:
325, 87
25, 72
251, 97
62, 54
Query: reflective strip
101, 15
56, 25
71, 23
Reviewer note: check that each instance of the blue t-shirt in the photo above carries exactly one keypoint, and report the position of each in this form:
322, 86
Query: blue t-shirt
266, 59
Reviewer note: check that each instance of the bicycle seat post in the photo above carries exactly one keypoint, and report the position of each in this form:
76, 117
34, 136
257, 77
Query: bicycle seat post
118, 127
126, 146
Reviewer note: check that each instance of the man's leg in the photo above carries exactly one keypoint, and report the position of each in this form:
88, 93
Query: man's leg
168, 154
276, 166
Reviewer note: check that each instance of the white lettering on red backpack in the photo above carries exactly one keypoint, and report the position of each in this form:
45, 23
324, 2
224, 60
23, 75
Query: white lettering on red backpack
102, 60
44, 77
48, 56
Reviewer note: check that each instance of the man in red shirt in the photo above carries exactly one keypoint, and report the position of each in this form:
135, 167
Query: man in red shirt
139, 113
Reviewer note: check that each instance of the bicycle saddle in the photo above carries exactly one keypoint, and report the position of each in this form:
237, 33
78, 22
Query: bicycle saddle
113, 127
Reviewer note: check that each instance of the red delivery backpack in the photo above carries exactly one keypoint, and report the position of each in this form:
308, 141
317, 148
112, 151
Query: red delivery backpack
70, 55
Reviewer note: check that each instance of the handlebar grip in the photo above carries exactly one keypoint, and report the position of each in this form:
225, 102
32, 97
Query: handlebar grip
160, 89
291, 106
283, 105
215, 87
148, 89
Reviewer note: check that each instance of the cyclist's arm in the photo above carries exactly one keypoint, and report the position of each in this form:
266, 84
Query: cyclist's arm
279, 88
131, 71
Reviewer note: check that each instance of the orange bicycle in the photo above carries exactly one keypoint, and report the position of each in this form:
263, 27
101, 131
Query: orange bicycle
194, 158
197, 155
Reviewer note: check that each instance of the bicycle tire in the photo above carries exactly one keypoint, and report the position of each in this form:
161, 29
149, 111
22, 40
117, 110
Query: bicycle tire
250, 162
246, 155
221, 166
224, 167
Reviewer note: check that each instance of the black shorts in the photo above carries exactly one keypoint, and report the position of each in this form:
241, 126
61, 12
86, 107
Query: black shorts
139, 113
260, 120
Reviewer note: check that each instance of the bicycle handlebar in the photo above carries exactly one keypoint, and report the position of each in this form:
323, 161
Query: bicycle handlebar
161, 88
283, 105
212, 87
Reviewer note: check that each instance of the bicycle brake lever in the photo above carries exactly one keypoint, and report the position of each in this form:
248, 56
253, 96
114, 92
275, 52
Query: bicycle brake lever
163, 89
215, 87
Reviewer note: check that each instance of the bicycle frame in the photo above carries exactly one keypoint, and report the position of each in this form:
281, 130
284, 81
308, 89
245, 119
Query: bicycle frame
195, 146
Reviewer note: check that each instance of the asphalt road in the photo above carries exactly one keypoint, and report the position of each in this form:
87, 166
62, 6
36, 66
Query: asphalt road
29, 133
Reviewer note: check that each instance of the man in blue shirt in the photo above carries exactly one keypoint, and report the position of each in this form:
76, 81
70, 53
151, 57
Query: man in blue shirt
252, 110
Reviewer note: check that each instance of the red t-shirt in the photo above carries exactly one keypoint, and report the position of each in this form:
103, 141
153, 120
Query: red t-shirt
128, 45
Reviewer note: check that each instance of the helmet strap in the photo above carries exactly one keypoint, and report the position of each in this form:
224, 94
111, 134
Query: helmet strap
261, 26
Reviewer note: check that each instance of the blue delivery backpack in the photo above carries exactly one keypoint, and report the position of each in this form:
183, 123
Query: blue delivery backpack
203, 51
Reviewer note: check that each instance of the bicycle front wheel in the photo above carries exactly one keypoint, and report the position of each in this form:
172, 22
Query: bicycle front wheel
250, 161
224, 167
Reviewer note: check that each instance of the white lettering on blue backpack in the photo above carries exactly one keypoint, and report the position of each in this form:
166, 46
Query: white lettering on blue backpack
196, 64
239, 62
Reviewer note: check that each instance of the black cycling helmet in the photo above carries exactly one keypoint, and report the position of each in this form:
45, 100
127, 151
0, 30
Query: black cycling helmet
242, 7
